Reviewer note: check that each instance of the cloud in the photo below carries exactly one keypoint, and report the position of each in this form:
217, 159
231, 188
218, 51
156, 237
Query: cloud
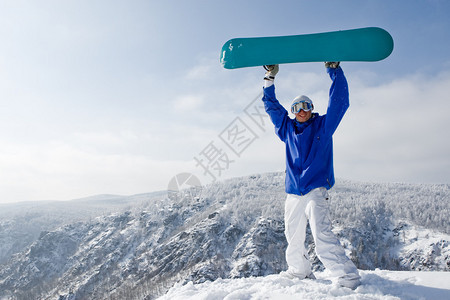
201, 71
397, 131
187, 103
61, 171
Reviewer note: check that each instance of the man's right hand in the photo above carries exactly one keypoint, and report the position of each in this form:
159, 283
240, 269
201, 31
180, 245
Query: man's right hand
271, 71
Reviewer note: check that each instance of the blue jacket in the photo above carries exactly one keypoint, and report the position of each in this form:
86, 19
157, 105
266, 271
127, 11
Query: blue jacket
309, 145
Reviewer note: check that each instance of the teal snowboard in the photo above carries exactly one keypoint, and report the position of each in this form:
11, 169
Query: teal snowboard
363, 44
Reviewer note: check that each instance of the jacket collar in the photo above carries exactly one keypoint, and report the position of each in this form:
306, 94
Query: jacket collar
301, 126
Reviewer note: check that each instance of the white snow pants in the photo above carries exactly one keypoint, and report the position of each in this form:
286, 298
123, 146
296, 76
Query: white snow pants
313, 207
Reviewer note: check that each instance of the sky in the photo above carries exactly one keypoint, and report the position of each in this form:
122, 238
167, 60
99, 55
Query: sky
121, 97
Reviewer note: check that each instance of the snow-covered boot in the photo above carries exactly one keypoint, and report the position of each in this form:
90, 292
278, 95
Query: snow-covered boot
349, 281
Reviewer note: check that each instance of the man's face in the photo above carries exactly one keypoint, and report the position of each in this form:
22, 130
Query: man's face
303, 116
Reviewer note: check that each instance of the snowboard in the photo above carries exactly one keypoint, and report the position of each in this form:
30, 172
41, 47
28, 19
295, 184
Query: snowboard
362, 44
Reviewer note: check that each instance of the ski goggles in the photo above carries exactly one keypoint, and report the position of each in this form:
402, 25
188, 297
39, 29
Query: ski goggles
301, 105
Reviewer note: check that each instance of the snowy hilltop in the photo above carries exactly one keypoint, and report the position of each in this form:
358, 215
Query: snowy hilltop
376, 284
228, 236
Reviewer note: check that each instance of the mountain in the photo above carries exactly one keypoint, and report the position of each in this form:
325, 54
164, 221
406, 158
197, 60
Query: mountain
23, 223
231, 229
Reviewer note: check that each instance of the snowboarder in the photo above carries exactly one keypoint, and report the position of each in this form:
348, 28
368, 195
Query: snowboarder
309, 176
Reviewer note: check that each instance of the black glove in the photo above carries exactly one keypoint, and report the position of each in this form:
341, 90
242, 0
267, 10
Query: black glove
272, 70
332, 64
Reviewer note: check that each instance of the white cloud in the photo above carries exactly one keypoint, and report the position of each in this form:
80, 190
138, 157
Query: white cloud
201, 71
187, 103
61, 171
397, 131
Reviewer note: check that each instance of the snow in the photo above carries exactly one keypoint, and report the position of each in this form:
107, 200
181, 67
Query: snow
378, 284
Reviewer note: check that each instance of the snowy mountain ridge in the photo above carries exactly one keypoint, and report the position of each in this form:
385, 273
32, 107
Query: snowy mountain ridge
234, 229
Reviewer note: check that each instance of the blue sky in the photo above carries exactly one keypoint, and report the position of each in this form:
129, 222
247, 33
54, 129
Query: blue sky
118, 97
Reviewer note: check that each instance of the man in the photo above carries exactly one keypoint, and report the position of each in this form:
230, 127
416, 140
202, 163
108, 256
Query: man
309, 174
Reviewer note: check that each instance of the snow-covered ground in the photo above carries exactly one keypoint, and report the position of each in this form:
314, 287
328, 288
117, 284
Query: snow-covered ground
378, 284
